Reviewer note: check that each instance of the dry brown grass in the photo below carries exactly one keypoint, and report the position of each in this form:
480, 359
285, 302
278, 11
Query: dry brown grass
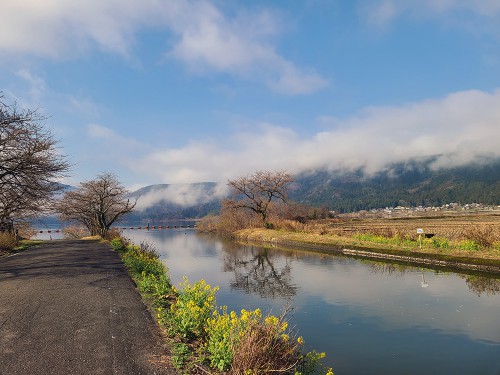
264, 351
112, 233
484, 235
7, 241
229, 221
483, 228
74, 232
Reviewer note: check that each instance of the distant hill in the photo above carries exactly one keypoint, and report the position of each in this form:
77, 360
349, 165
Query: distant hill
163, 202
405, 184
402, 184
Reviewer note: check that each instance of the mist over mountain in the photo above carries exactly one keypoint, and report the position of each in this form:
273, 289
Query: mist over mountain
411, 183
176, 201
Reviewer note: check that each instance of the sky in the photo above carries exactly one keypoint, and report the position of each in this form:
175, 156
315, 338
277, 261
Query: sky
181, 91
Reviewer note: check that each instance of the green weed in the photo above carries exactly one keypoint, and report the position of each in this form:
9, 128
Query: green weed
180, 354
468, 245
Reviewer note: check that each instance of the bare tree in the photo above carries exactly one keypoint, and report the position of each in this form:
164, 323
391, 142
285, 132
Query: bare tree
29, 165
256, 191
96, 204
255, 271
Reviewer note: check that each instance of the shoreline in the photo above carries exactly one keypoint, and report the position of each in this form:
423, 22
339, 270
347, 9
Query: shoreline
340, 246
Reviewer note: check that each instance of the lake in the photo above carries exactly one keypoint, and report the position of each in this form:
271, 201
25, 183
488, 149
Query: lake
369, 317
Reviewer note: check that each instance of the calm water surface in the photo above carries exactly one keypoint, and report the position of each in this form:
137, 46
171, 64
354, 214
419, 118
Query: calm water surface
370, 318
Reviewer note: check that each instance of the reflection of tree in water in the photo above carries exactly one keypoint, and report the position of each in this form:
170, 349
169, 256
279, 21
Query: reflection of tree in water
482, 284
256, 272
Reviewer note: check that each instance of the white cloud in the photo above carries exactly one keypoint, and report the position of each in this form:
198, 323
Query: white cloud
114, 140
483, 14
460, 127
181, 194
205, 39
86, 107
292, 81
56, 28
37, 86
241, 46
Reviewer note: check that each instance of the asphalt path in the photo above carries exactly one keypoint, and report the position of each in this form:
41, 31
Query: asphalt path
69, 307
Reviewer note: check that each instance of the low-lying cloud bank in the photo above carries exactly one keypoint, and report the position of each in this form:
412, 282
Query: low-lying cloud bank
461, 127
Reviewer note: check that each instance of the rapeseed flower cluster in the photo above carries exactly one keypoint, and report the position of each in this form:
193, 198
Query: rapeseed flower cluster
193, 307
224, 332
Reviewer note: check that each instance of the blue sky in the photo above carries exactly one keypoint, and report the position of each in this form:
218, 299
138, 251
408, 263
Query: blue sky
184, 91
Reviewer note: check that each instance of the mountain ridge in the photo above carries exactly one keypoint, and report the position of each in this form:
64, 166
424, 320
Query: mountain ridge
412, 183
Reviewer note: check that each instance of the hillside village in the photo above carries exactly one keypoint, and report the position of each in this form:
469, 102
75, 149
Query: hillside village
448, 209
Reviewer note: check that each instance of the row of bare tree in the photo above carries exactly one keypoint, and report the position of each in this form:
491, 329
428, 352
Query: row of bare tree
30, 170
31, 166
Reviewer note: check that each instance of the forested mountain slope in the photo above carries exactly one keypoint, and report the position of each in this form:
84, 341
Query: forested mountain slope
405, 184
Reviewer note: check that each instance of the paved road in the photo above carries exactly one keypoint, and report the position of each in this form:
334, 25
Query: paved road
69, 307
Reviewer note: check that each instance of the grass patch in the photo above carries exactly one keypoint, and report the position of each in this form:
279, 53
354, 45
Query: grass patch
26, 244
438, 247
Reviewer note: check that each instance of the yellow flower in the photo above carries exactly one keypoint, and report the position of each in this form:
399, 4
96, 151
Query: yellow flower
285, 337
271, 320
300, 340
284, 326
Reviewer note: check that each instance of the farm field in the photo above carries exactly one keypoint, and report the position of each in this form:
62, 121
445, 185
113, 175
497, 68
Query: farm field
472, 238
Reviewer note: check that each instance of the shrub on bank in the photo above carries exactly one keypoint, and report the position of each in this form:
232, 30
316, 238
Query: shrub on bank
7, 241
193, 307
468, 245
240, 344
483, 235
440, 243
74, 232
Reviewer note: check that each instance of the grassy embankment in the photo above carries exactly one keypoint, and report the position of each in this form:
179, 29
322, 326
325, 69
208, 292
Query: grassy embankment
10, 245
471, 239
206, 338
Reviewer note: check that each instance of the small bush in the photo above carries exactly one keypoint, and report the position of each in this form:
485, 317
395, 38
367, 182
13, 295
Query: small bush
157, 286
289, 225
119, 244
180, 354
208, 224
193, 307
112, 233
7, 241
468, 245
482, 235
440, 243
25, 230
252, 344
143, 259
266, 347
74, 232
224, 333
